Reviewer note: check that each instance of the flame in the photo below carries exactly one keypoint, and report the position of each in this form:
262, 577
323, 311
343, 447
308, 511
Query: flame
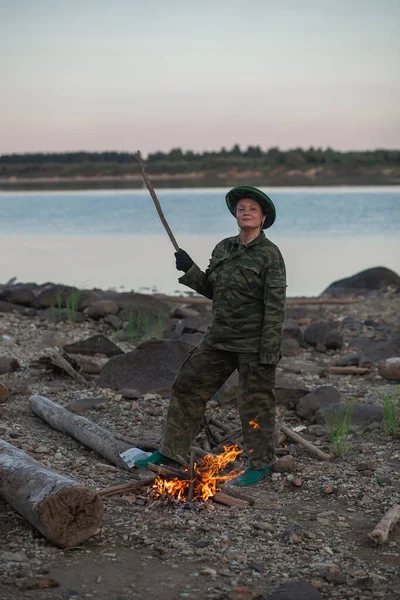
207, 478
254, 424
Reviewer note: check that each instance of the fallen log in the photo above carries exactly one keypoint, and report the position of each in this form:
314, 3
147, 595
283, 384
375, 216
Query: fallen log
380, 533
64, 511
90, 365
88, 433
230, 491
300, 440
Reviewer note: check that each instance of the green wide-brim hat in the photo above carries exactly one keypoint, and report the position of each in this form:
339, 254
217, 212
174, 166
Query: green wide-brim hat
247, 191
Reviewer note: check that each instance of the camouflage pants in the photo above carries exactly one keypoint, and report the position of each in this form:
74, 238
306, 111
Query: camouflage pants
201, 375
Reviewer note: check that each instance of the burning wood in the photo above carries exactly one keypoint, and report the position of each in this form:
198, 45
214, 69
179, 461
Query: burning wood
204, 483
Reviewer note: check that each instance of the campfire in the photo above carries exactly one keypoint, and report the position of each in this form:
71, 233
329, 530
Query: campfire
200, 481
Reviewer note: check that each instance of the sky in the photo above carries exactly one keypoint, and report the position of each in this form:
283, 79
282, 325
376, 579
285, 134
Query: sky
125, 75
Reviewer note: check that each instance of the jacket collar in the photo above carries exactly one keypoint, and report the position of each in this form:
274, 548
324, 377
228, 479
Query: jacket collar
255, 242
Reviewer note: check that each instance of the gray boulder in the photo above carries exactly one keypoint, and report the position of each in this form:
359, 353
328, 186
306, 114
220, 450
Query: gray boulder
7, 307
151, 367
375, 279
18, 295
363, 415
101, 308
296, 590
315, 333
373, 351
289, 391
291, 330
322, 397
291, 347
97, 344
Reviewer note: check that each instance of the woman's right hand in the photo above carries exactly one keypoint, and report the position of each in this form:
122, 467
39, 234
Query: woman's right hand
183, 260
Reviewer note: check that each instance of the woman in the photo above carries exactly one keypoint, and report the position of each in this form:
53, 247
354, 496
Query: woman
247, 282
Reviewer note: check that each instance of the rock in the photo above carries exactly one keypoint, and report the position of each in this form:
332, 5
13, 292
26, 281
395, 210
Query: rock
349, 360
315, 333
3, 393
8, 365
84, 404
291, 330
333, 340
284, 464
320, 399
289, 391
242, 593
183, 313
291, 347
373, 351
317, 430
13, 557
377, 278
18, 295
320, 347
363, 415
151, 367
97, 344
55, 295
192, 325
114, 321
61, 315
296, 590
7, 307
366, 466
193, 339
390, 368
130, 394
101, 308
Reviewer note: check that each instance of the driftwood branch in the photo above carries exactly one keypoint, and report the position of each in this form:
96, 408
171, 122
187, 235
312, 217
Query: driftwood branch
58, 362
289, 301
88, 433
380, 533
168, 471
192, 476
300, 440
147, 181
229, 500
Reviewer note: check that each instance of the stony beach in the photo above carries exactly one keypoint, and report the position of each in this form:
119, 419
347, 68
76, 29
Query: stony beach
308, 525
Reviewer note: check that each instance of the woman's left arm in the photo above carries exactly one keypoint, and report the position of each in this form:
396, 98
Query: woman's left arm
274, 310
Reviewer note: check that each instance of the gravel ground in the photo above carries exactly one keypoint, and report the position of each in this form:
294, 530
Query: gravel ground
316, 532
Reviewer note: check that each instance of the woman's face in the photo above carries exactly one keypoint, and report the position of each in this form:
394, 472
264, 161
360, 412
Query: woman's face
249, 214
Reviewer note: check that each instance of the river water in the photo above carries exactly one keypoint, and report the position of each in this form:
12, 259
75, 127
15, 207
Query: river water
114, 239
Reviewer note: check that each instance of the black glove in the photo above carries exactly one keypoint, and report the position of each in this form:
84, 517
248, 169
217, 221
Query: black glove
183, 260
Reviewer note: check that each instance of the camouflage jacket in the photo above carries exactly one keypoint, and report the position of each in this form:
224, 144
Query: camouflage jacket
247, 284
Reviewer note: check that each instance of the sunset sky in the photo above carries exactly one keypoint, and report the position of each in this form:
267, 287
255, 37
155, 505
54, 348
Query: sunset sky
127, 75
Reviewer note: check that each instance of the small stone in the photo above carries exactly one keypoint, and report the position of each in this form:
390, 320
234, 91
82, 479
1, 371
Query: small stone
296, 482
3, 393
275, 476
42, 450
130, 393
99, 579
209, 571
366, 466
283, 464
58, 456
329, 490
242, 593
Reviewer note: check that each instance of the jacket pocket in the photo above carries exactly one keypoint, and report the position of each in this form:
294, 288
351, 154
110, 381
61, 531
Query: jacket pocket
251, 275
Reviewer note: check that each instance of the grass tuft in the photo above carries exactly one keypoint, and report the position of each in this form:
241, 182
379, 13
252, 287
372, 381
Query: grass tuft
391, 413
338, 421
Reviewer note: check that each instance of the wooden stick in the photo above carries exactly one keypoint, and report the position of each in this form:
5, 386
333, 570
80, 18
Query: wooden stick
219, 425
380, 533
184, 463
347, 370
147, 181
209, 433
191, 474
121, 488
232, 492
168, 471
229, 500
300, 440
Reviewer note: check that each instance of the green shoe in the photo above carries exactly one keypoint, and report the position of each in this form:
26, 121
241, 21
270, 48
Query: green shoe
251, 477
155, 459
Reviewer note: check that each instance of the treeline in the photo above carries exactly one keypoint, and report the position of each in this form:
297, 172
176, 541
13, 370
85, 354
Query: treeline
272, 166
